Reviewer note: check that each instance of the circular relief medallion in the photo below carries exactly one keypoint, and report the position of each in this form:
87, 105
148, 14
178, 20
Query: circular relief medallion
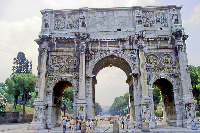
167, 59
57, 62
152, 60
72, 62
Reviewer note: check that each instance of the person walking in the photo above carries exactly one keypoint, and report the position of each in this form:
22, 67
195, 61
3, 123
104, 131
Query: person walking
76, 123
80, 123
194, 126
88, 125
127, 123
64, 125
122, 122
92, 126
72, 124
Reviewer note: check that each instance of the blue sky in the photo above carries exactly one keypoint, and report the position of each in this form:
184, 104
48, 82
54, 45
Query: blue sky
20, 24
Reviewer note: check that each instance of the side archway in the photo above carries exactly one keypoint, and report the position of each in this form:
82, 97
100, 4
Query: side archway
57, 95
168, 101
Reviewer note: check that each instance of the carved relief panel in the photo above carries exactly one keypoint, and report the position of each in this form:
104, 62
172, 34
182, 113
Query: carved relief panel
64, 20
63, 64
152, 18
161, 62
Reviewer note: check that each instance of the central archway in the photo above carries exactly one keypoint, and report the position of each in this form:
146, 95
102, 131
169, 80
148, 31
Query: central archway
111, 84
112, 61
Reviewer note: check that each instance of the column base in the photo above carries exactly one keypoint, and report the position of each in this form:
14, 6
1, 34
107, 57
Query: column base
152, 125
37, 126
136, 124
50, 125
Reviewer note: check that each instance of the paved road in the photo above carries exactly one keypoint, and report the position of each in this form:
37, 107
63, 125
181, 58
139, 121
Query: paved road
102, 127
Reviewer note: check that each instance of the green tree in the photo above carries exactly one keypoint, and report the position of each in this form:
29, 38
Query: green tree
120, 105
67, 99
12, 89
21, 64
8, 97
195, 81
98, 108
156, 96
23, 83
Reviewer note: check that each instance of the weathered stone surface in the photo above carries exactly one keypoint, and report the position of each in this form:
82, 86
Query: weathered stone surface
145, 127
115, 127
148, 44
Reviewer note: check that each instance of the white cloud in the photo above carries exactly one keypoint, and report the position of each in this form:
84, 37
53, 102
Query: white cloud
194, 18
192, 28
18, 37
60, 4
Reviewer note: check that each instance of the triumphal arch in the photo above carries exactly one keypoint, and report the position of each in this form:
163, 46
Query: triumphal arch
147, 43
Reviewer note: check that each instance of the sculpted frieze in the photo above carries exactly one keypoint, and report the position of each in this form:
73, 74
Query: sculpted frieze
167, 59
59, 22
152, 18
64, 20
129, 56
162, 18
72, 62
161, 69
152, 60
69, 62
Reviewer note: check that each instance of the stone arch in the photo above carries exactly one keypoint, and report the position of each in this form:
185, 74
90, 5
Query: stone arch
166, 86
112, 60
129, 57
57, 95
73, 81
156, 77
106, 61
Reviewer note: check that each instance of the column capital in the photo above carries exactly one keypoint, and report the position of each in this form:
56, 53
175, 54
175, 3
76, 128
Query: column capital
42, 39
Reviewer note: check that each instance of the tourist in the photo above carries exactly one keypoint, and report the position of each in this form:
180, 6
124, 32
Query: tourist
76, 123
194, 126
88, 125
72, 124
92, 126
127, 123
80, 123
122, 122
64, 125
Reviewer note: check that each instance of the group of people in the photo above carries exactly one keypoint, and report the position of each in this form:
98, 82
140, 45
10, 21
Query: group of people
126, 122
76, 125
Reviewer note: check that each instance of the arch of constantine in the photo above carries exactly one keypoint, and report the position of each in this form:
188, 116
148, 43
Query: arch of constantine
147, 43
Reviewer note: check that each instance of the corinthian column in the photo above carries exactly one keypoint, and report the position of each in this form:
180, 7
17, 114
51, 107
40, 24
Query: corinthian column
43, 68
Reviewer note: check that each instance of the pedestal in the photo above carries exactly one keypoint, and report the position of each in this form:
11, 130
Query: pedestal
145, 127
115, 127
83, 128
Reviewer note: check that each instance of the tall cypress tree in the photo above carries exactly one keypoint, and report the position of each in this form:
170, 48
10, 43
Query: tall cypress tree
21, 64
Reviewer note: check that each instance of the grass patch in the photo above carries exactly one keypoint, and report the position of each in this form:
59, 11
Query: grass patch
19, 108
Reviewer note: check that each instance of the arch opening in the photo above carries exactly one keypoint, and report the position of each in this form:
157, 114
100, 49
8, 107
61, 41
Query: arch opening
57, 100
167, 101
110, 61
109, 74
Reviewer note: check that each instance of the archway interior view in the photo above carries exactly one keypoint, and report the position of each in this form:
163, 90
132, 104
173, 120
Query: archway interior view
111, 85
60, 89
167, 101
